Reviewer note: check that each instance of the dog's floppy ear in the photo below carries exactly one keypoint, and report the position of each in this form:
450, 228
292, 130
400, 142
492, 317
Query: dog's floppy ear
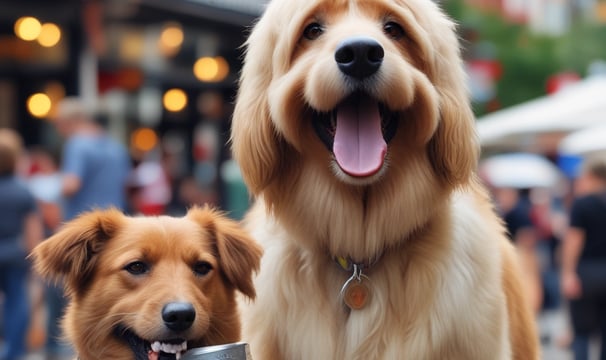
239, 255
71, 254
454, 148
256, 145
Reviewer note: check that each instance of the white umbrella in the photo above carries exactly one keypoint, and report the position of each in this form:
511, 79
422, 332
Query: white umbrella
586, 141
575, 107
520, 171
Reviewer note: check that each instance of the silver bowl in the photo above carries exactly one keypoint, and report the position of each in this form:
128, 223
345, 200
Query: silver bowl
234, 351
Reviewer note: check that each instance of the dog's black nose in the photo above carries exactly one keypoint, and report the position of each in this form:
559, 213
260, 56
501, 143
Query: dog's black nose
359, 57
178, 316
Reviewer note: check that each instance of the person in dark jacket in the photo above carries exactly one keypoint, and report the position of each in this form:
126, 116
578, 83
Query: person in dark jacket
583, 277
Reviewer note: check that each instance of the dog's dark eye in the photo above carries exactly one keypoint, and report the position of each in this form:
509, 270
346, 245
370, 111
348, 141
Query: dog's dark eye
202, 268
393, 30
313, 31
137, 268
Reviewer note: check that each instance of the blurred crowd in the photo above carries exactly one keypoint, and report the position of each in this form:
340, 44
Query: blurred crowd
560, 235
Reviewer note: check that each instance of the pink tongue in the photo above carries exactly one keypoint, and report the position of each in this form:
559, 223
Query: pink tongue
359, 146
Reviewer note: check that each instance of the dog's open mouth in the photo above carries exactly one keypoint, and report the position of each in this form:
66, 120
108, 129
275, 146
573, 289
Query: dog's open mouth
357, 132
166, 349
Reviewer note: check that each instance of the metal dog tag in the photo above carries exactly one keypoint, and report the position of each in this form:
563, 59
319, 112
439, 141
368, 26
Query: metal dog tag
355, 293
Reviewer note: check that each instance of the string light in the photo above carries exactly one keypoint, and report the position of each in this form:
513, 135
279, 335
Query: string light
174, 100
144, 139
28, 28
211, 69
39, 105
50, 35
171, 39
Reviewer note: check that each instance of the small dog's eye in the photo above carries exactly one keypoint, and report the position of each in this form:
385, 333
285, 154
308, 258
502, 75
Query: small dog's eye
313, 31
393, 30
137, 268
202, 268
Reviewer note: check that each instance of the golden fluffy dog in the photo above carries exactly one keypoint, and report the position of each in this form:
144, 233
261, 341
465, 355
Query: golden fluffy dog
150, 287
354, 131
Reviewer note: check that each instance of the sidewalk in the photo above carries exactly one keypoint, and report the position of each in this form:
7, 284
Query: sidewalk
553, 329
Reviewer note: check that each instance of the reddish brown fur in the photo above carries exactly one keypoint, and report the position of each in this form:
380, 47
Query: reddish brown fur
520, 317
89, 254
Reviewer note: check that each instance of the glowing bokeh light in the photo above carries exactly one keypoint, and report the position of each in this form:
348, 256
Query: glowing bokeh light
144, 139
50, 35
211, 69
39, 105
28, 28
172, 36
174, 100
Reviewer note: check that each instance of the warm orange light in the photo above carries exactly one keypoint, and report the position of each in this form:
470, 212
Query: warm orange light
50, 35
171, 39
27, 28
39, 105
144, 139
132, 46
206, 69
174, 100
211, 69
55, 92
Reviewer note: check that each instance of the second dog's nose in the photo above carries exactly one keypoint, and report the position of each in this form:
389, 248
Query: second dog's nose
178, 316
359, 57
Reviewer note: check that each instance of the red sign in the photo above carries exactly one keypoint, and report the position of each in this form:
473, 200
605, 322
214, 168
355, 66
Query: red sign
559, 81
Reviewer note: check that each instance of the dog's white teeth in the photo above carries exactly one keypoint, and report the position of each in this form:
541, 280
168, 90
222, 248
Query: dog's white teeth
157, 346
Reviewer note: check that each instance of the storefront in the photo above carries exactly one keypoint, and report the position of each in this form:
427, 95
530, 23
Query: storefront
162, 75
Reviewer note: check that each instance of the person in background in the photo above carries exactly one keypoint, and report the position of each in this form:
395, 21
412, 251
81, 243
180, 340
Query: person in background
45, 182
583, 273
95, 166
149, 188
20, 230
515, 208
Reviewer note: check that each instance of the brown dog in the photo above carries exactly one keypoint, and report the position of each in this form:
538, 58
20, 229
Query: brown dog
149, 287
353, 128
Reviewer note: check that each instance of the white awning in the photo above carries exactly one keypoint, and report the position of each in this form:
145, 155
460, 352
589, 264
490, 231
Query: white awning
586, 141
576, 107
519, 171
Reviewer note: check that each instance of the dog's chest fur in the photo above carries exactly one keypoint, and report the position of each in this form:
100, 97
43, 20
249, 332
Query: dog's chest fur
420, 302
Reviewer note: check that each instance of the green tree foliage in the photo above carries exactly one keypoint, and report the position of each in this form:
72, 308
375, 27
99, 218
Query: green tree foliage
584, 44
527, 59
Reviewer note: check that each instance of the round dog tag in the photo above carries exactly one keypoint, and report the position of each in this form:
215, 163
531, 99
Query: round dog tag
356, 293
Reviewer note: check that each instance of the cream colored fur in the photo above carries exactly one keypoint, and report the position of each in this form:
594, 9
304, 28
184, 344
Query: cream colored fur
446, 285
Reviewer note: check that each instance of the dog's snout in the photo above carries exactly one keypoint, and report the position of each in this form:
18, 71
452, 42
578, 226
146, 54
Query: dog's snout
359, 57
178, 316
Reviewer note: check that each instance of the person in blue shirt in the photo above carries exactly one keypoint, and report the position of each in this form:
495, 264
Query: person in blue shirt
95, 166
20, 230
